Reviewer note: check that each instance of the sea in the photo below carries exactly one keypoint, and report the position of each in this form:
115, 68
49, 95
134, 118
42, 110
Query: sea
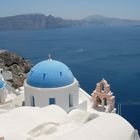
92, 53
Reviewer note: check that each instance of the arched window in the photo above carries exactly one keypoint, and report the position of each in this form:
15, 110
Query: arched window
102, 87
98, 100
104, 101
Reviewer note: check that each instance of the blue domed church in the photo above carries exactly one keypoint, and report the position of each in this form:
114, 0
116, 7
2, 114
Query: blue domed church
51, 82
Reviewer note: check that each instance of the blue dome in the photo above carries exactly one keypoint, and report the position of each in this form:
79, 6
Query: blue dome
50, 74
2, 84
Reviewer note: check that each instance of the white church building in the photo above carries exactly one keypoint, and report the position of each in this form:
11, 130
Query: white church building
51, 82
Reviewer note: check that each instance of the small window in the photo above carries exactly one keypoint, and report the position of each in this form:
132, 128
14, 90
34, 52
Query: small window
32, 101
44, 75
51, 101
60, 73
31, 72
70, 100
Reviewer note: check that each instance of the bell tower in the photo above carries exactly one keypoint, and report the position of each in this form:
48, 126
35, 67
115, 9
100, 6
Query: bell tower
102, 97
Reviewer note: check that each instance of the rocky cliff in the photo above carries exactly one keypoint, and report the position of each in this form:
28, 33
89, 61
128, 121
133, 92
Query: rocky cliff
19, 67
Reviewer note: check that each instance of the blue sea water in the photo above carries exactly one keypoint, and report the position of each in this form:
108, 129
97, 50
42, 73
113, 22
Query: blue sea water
92, 53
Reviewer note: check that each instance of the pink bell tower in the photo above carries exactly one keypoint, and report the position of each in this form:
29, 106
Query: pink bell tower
102, 97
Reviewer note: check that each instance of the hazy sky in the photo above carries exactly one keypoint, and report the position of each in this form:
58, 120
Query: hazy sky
74, 9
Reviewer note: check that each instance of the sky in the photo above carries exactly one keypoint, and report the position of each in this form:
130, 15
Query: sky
72, 9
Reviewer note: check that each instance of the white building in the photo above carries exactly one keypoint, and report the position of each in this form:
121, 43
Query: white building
7, 75
9, 97
52, 82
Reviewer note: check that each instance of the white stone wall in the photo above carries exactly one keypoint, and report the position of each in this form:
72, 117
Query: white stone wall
61, 95
7, 75
3, 95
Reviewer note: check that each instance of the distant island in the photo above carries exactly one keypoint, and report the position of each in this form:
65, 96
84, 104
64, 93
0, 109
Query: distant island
41, 21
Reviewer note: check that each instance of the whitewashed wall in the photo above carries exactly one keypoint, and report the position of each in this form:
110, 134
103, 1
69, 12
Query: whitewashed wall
61, 95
